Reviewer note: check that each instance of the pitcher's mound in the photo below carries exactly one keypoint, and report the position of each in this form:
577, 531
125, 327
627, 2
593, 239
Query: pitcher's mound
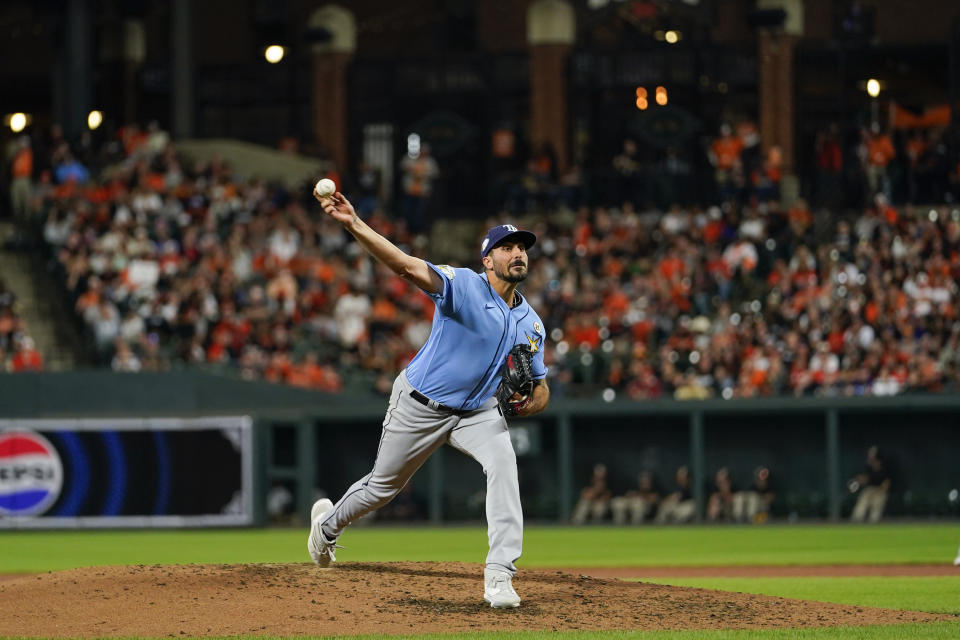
382, 598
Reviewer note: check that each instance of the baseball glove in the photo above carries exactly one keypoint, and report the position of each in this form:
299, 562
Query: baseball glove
516, 380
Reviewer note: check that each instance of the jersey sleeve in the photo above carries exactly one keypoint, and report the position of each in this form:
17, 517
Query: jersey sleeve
539, 368
454, 284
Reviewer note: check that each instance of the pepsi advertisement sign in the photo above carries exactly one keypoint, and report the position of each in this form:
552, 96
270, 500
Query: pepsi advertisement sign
31, 475
150, 472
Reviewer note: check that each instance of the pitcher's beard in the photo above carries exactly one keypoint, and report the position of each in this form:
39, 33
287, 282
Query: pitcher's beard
512, 278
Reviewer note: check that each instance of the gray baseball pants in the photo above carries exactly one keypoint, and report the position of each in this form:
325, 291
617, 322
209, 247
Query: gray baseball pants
411, 433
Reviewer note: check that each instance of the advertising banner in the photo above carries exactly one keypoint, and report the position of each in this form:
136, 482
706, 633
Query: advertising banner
140, 472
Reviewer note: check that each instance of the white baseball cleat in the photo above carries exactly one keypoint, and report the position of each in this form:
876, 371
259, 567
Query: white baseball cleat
498, 589
956, 561
320, 547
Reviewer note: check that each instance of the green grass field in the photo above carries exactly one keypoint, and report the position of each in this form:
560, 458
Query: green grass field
936, 594
31, 551
35, 551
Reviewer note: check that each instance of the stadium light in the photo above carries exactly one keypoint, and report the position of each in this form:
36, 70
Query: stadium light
873, 87
671, 36
274, 53
94, 119
18, 122
642, 98
413, 146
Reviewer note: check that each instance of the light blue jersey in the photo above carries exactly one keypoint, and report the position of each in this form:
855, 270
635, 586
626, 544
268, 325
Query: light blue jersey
473, 331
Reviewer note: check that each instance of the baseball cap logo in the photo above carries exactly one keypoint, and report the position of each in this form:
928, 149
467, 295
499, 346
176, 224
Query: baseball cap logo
31, 474
498, 233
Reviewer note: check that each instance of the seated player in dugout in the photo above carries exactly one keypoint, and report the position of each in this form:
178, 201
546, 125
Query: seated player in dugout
678, 506
872, 486
482, 362
753, 503
594, 498
638, 502
720, 503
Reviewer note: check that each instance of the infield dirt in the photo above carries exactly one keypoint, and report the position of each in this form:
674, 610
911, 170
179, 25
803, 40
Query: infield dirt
383, 598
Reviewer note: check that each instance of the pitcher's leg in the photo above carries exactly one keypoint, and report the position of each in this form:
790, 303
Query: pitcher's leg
486, 439
410, 434
400, 456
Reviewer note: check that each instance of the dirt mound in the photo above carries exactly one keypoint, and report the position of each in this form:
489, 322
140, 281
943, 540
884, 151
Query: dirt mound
384, 598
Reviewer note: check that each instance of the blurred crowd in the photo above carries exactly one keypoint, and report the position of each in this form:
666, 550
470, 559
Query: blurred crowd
840, 169
747, 301
904, 164
17, 350
170, 264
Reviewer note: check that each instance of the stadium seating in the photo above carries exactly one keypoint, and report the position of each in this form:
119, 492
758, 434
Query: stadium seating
171, 266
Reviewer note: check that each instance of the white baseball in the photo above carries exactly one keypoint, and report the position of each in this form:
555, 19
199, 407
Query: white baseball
326, 187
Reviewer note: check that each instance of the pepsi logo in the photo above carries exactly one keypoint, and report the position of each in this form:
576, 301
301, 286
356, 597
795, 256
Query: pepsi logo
31, 474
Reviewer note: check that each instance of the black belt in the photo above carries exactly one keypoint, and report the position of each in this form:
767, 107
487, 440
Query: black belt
427, 402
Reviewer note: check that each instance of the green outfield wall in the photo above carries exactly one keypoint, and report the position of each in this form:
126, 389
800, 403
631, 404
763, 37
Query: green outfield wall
308, 440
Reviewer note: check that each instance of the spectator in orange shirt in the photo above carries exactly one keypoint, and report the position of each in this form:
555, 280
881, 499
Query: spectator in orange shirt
800, 219
26, 357
715, 227
879, 154
279, 368
21, 182
132, 138
309, 374
724, 155
766, 176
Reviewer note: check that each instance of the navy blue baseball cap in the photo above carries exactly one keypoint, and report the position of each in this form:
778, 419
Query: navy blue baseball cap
501, 232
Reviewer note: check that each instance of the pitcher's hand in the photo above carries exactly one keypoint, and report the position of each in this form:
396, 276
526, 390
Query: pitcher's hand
337, 207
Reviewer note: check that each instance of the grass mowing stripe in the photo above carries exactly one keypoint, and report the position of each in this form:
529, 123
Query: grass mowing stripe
933, 631
934, 594
743, 545
29, 551
32, 551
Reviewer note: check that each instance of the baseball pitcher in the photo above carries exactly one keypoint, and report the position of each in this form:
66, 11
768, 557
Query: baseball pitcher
482, 362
